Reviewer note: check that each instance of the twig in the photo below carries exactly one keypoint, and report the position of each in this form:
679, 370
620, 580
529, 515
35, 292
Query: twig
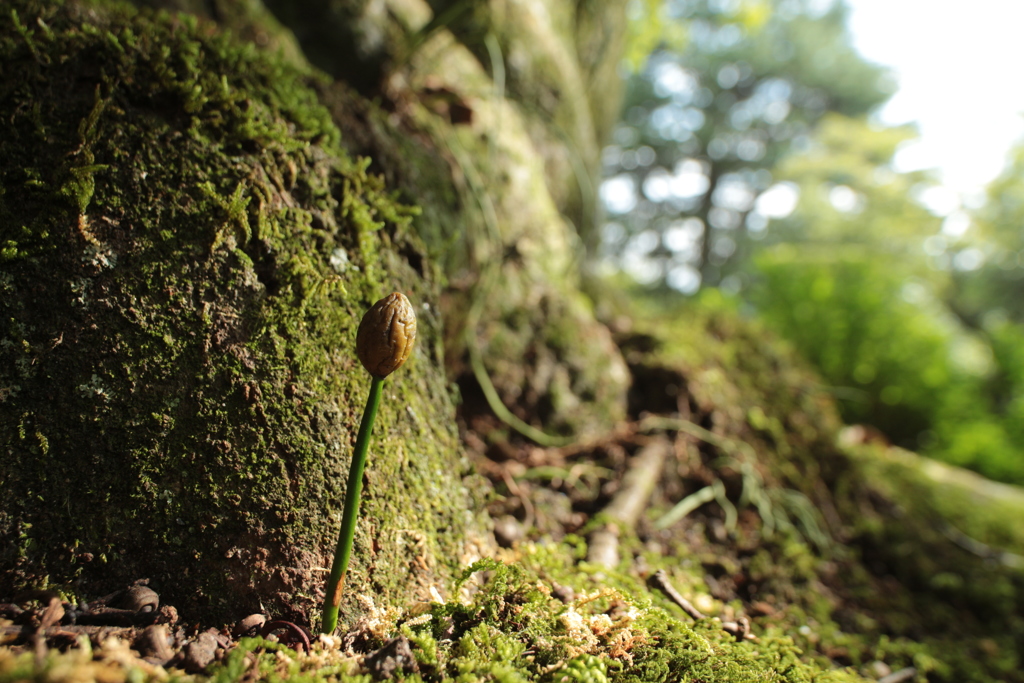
295, 634
628, 504
740, 628
638, 483
976, 547
524, 498
661, 582
899, 676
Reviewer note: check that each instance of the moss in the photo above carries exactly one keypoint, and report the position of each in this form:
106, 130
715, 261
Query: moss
185, 249
493, 217
184, 268
883, 590
858, 555
953, 540
547, 61
512, 629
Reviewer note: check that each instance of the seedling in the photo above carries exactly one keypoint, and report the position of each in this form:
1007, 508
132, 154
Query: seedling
384, 341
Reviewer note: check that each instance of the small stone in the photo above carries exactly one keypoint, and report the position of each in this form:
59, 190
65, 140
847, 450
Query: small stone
248, 625
507, 531
200, 653
395, 656
880, 669
154, 643
564, 594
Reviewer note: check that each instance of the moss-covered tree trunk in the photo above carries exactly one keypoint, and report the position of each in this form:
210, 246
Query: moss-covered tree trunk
187, 250
188, 237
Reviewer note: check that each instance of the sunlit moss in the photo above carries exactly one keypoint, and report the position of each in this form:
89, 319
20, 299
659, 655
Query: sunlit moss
187, 251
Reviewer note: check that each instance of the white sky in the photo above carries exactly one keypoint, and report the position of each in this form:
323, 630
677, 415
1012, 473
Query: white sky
959, 68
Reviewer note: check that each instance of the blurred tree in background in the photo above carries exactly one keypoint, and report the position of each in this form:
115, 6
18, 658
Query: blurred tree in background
745, 161
705, 124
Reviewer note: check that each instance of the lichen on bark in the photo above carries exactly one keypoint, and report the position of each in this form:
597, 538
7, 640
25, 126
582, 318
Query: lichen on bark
186, 253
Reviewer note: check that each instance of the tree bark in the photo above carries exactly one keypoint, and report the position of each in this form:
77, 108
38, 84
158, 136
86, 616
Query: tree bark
189, 242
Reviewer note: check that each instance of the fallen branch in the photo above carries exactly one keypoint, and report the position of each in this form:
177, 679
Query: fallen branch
976, 547
629, 503
740, 628
661, 582
899, 676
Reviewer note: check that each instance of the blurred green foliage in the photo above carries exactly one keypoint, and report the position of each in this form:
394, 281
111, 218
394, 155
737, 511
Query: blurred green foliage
913, 338
916, 325
883, 356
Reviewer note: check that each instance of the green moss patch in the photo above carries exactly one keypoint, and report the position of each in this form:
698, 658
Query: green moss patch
187, 251
860, 553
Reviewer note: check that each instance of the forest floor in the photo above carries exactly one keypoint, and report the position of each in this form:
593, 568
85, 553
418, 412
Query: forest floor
545, 495
656, 498
737, 526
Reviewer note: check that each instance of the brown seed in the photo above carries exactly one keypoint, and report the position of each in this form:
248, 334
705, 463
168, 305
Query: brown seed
139, 599
250, 623
386, 335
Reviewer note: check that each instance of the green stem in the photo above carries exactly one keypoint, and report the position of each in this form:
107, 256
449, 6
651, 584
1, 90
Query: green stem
348, 520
